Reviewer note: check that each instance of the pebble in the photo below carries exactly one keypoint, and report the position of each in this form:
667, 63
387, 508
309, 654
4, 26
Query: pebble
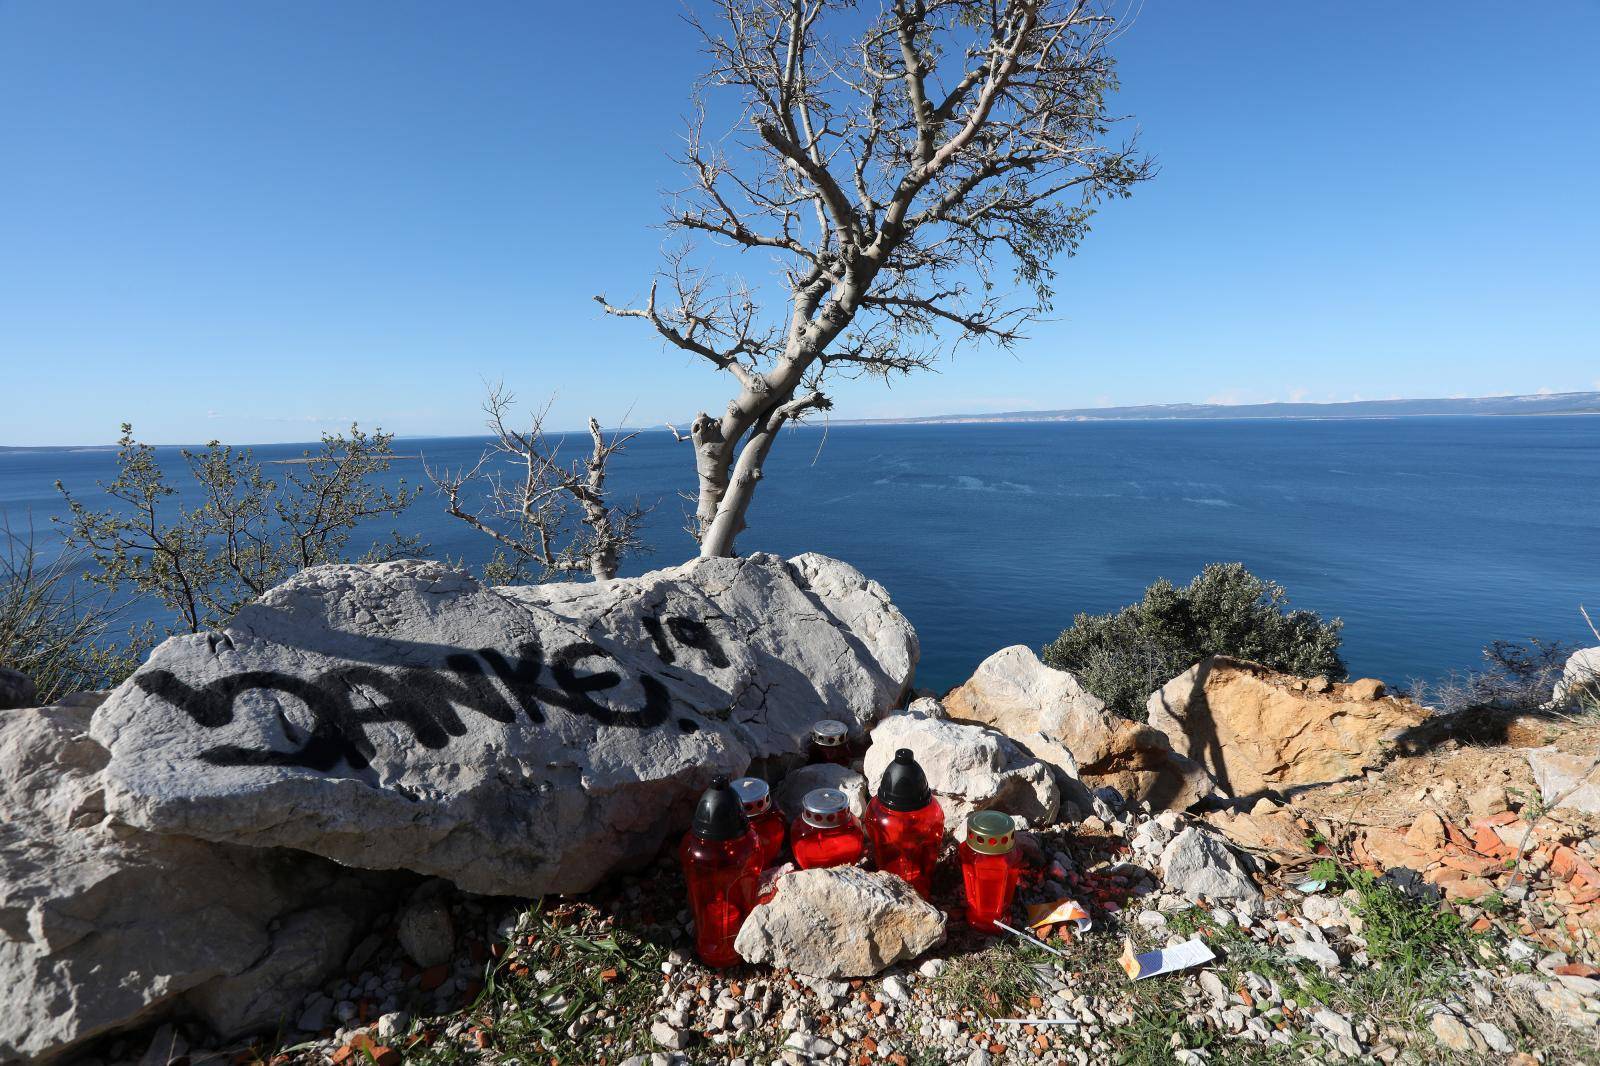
1450, 1032
667, 1036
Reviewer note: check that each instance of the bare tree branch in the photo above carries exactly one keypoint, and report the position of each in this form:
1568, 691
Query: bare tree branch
894, 169
549, 513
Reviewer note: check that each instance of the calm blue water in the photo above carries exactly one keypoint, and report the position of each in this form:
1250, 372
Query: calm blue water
1430, 536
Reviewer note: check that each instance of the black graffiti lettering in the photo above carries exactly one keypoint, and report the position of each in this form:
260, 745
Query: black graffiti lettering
211, 707
521, 676
345, 700
658, 637
694, 633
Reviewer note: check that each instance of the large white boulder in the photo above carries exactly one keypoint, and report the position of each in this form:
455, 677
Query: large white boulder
1055, 718
102, 926
1016, 693
517, 741
969, 768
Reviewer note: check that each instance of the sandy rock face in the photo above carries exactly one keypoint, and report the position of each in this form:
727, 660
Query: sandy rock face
840, 922
515, 741
969, 768
101, 926
1254, 729
1138, 761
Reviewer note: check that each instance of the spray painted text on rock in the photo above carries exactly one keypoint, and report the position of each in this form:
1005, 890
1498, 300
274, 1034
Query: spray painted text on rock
345, 699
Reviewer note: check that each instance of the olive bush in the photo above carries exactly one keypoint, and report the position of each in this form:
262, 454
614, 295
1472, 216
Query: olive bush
1124, 656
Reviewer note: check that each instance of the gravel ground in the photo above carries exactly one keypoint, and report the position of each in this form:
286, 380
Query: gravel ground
1354, 971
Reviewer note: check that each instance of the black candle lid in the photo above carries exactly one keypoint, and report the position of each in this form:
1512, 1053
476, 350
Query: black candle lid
904, 787
720, 815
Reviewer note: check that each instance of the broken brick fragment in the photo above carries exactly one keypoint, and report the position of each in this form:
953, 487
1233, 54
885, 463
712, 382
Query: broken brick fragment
433, 977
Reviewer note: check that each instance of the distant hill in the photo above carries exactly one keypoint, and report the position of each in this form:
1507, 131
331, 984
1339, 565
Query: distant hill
1555, 403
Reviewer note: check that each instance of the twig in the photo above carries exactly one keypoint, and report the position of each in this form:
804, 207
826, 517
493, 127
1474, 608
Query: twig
1031, 937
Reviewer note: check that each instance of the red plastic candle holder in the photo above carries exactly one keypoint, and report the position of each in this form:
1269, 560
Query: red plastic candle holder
756, 797
826, 833
830, 742
721, 858
906, 824
990, 868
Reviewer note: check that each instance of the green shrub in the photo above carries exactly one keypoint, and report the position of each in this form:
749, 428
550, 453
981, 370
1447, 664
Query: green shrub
247, 531
1227, 610
63, 641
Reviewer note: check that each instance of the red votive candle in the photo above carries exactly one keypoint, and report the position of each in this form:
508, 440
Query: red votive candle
756, 798
830, 742
989, 868
721, 858
826, 833
905, 823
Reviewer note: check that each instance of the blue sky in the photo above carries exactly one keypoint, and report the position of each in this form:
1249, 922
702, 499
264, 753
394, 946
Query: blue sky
256, 222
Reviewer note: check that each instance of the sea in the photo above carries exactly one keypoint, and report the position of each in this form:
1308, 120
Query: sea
1430, 537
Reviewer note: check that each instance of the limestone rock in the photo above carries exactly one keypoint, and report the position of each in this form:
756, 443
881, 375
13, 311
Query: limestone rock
1138, 761
1579, 677
425, 930
1198, 864
16, 689
102, 927
1016, 693
1566, 781
1271, 833
306, 946
840, 922
517, 741
791, 791
969, 767
1053, 717
1254, 729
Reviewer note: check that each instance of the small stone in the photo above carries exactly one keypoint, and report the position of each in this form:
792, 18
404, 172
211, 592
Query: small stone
1336, 1024
1450, 1032
667, 1036
1427, 832
314, 1018
166, 1047
1325, 957
425, 930
1495, 1037
815, 1046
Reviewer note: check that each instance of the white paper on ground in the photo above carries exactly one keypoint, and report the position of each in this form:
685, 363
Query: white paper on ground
1192, 952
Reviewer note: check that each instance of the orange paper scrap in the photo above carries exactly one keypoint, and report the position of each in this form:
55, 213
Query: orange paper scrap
1062, 910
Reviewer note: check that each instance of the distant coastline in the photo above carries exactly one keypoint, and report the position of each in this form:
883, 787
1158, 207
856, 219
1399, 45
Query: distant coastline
1554, 403
1558, 403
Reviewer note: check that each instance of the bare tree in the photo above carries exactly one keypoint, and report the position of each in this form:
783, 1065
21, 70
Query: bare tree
550, 513
892, 164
